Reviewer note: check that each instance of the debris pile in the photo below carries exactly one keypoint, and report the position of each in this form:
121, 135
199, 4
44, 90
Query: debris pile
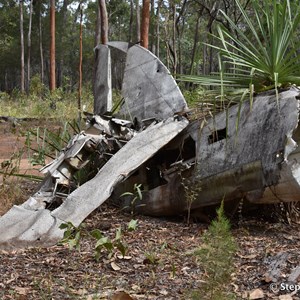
154, 144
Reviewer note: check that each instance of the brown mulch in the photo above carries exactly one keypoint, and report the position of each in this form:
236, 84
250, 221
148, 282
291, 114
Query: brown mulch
157, 265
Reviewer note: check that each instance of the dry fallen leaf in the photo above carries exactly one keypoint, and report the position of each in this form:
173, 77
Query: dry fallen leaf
22, 291
80, 292
250, 256
164, 292
124, 257
256, 294
115, 267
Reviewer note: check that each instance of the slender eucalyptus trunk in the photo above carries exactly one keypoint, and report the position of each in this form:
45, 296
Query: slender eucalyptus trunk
41, 46
80, 68
104, 22
131, 22
138, 21
22, 47
152, 28
145, 24
60, 65
196, 40
174, 37
207, 57
158, 27
98, 27
52, 46
180, 30
29, 47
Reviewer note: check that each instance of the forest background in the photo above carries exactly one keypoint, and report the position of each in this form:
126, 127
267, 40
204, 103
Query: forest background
179, 32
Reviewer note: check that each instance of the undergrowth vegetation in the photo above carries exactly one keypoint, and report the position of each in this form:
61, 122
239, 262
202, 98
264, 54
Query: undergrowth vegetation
40, 102
105, 245
215, 258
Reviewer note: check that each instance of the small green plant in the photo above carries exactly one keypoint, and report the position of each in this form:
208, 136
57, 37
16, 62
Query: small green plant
215, 256
11, 166
132, 225
111, 245
72, 234
151, 258
192, 188
72, 237
136, 196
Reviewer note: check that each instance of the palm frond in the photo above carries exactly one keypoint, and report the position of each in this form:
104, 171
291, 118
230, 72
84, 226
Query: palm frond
261, 53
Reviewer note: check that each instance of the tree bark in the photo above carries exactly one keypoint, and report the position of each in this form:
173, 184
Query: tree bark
138, 21
61, 54
41, 45
29, 46
98, 27
145, 24
80, 68
196, 39
52, 46
22, 47
174, 37
104, 22
152, 28
130, 22
179, 30
158, 27
212, 16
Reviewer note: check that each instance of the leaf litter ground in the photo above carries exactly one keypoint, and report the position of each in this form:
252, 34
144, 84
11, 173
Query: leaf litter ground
158, 264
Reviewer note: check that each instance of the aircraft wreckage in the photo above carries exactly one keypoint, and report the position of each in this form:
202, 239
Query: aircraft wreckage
156, 145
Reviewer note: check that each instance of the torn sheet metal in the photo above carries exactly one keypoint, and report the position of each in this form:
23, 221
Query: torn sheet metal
256, 156
259, 163
149, 90
102, 82
32, 225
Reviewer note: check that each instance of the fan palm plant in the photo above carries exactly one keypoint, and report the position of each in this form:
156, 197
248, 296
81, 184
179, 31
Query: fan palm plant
259, 54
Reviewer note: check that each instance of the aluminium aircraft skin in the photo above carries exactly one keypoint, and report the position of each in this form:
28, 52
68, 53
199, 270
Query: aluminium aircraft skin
154, 143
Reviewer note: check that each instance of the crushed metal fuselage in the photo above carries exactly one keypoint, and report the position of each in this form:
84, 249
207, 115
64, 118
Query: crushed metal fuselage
159, 148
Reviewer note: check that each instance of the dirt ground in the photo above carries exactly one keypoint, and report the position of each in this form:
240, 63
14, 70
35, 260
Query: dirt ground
159, 263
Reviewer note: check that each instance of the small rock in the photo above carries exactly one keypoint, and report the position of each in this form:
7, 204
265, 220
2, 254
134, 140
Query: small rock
285, 297
256, 294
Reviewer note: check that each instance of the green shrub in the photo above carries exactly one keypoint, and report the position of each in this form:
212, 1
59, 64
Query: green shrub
215, 257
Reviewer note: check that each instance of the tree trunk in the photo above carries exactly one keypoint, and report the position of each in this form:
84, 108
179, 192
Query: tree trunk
152, 28
207, 64
145, 24
41, 45
98, 27
104, 22
138, 21
29, 46
80, 68
158, 27
196, 39
174, 37
22, 48
52, 46
60, 67
130, 22
179, 30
